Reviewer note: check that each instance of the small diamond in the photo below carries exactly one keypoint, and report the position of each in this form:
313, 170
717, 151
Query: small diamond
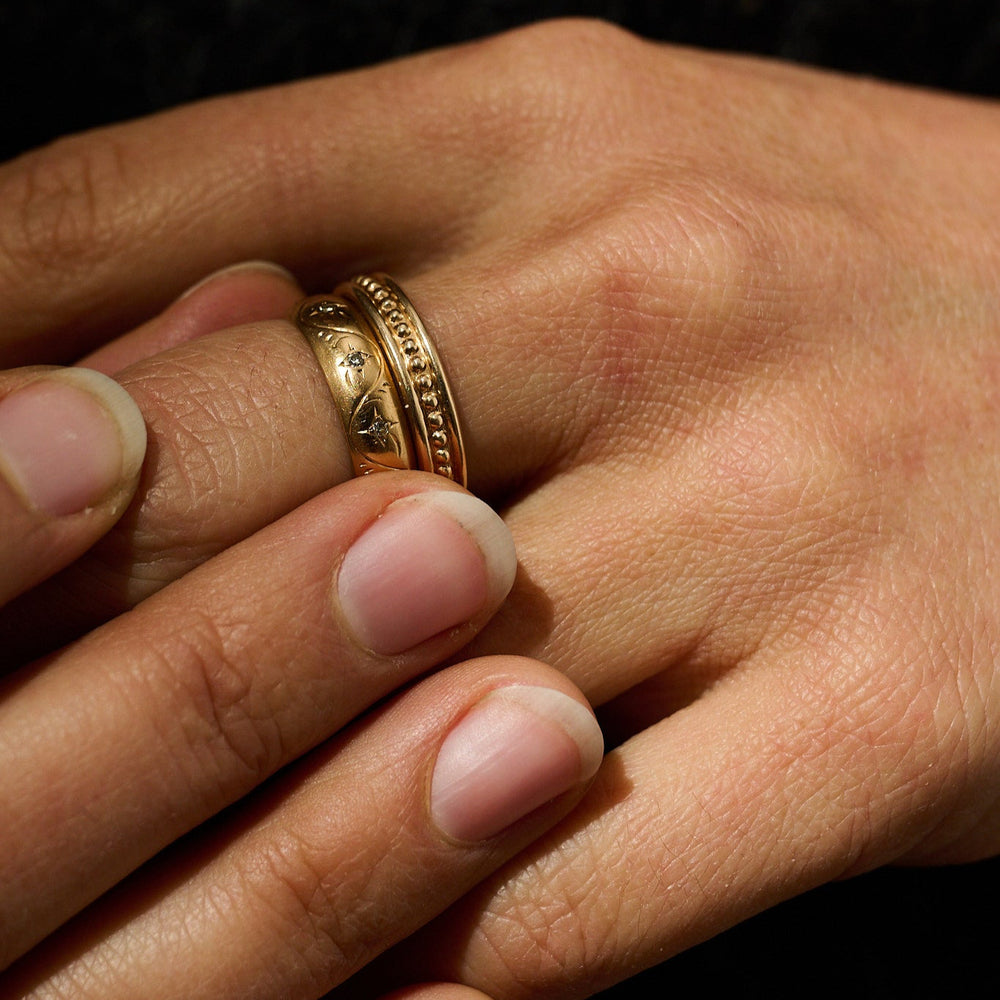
354, 359
379, 432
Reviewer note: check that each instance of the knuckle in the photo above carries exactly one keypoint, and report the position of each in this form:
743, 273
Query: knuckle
868, 740
533, 87
60, 203
296, 890
561, 922
569, 46
321, 900
227, 717
588, 33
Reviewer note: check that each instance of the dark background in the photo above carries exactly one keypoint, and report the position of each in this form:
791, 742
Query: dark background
69, 66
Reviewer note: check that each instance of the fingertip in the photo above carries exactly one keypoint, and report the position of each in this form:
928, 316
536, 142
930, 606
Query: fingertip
433, 561
488, 531
436, 991
126, 415
517, 748
71, 439
265, 269
72, 444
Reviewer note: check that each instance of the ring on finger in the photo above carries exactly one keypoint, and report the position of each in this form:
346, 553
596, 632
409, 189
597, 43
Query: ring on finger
360, 383
386, 378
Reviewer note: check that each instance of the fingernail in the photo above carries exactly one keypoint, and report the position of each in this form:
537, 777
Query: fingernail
70, 439
431, 562
517, 749
244, 267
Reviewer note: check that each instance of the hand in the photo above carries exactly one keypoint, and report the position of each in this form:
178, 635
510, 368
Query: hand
722, 333
120, 744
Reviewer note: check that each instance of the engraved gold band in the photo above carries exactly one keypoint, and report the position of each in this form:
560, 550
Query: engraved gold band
385, 377
362, 387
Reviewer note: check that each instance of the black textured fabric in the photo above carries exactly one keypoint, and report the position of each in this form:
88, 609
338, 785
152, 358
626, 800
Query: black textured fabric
68, 65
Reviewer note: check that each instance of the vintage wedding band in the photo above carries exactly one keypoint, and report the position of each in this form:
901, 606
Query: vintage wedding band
385, 377
362, 387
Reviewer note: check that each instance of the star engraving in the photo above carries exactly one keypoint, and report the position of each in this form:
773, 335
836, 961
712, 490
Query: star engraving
378, 432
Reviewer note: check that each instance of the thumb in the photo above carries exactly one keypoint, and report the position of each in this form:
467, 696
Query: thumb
72, 443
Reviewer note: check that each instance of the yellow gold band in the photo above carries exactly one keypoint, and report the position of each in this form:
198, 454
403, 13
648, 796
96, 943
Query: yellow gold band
385, 377
362, 387
420, 379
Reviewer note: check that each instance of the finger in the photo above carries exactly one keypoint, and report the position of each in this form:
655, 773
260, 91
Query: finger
756, 793
72, 443
103, 229
346, 854
210, 687
242, 293
222, 417
242, 430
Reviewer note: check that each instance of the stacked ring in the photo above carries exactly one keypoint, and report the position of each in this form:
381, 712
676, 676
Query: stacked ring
420, 376
360, 383
385, 377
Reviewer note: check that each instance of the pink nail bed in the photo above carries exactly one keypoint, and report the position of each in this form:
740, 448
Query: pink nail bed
517, 749
68, 439
431, 562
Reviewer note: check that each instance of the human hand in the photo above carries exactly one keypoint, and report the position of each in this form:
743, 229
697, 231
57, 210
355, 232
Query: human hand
757, 301
117, 746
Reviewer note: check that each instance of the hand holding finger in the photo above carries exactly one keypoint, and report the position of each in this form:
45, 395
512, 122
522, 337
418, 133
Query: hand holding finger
207, 689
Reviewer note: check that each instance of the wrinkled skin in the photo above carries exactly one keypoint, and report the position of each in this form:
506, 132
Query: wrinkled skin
724, 335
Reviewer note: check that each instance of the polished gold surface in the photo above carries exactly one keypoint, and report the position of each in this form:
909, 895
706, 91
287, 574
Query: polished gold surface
361, 384
420, 379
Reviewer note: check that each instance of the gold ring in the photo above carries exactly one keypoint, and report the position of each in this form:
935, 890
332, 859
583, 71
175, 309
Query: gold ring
360, 382
419, 374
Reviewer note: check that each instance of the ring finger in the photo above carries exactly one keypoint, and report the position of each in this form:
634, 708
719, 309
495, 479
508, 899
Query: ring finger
242, 430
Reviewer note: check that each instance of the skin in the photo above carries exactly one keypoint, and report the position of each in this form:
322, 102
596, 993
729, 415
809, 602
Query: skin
723, 337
